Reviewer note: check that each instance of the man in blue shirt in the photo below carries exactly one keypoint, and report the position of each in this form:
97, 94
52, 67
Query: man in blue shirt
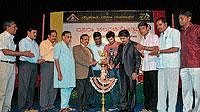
28, 70
64, 70
95, 47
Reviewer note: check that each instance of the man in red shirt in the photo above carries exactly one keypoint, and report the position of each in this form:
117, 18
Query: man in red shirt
190, 62
111, 51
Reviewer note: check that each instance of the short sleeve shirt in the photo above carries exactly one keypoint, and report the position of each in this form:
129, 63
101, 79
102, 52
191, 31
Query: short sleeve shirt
168, 39
6, 42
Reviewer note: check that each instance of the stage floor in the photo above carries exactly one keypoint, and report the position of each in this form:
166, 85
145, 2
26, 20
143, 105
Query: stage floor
138, 107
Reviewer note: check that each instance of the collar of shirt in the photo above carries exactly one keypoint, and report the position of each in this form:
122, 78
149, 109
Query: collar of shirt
93, 45
145, 37
49, 42
129, 42
83, 45
29, 39
65, 45
189, 27
166, 32
8, 34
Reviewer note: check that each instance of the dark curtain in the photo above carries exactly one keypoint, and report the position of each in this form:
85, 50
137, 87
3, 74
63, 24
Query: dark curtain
29, 12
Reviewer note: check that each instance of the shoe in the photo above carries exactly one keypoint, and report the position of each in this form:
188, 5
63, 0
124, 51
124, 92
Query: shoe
123, 110
53, 110
33, 110
43, 110
86, 108
80, 109
113, 109
67, 109
51, 106
144, 110
26, 110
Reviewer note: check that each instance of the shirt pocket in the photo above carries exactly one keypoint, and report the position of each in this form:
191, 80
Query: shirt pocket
168, 42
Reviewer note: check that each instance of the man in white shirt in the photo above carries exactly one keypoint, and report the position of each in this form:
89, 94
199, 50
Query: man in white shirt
8, 66
149, 42
168, 66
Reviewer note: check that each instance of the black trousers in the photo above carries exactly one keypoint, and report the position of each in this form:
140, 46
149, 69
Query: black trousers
95, 97
128, 89
83, 91
151, 89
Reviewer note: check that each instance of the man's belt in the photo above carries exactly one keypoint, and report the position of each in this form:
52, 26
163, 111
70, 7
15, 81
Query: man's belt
49, 61
11, 62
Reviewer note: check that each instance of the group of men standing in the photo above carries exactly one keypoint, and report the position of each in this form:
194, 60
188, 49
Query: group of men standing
177, 55
27, 71
165, 58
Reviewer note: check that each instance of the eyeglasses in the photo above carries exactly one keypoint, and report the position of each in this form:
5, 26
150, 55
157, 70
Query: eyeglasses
68, 36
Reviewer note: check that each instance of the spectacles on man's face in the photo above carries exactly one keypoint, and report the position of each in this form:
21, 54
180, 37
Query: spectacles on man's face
68, 36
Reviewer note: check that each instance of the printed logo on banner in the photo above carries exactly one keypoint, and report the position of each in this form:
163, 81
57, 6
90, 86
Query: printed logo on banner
144, 17
72, 18
108, 16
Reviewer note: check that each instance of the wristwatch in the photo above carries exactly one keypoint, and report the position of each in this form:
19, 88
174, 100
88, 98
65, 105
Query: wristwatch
158, 51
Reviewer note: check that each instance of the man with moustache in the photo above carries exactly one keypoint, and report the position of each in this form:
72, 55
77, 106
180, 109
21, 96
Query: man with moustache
190, 62
47, 91
28, 70
83, 60
64, 70
8, 67
168, 65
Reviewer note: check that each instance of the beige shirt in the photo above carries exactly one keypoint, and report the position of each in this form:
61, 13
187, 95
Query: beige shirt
47, 50
6, 42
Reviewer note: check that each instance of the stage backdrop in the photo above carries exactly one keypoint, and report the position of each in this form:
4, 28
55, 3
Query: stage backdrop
81, 22
88, 22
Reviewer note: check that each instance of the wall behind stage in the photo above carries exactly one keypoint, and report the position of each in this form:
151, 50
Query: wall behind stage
80, 22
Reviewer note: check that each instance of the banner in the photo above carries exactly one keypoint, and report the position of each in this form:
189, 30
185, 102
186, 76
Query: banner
108, 16
88, 22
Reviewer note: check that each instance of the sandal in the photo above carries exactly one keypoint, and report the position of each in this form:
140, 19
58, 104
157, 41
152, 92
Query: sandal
71, 109
63, 110
68, 109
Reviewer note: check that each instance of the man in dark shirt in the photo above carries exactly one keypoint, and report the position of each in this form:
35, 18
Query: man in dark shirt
128, 58
190, 62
